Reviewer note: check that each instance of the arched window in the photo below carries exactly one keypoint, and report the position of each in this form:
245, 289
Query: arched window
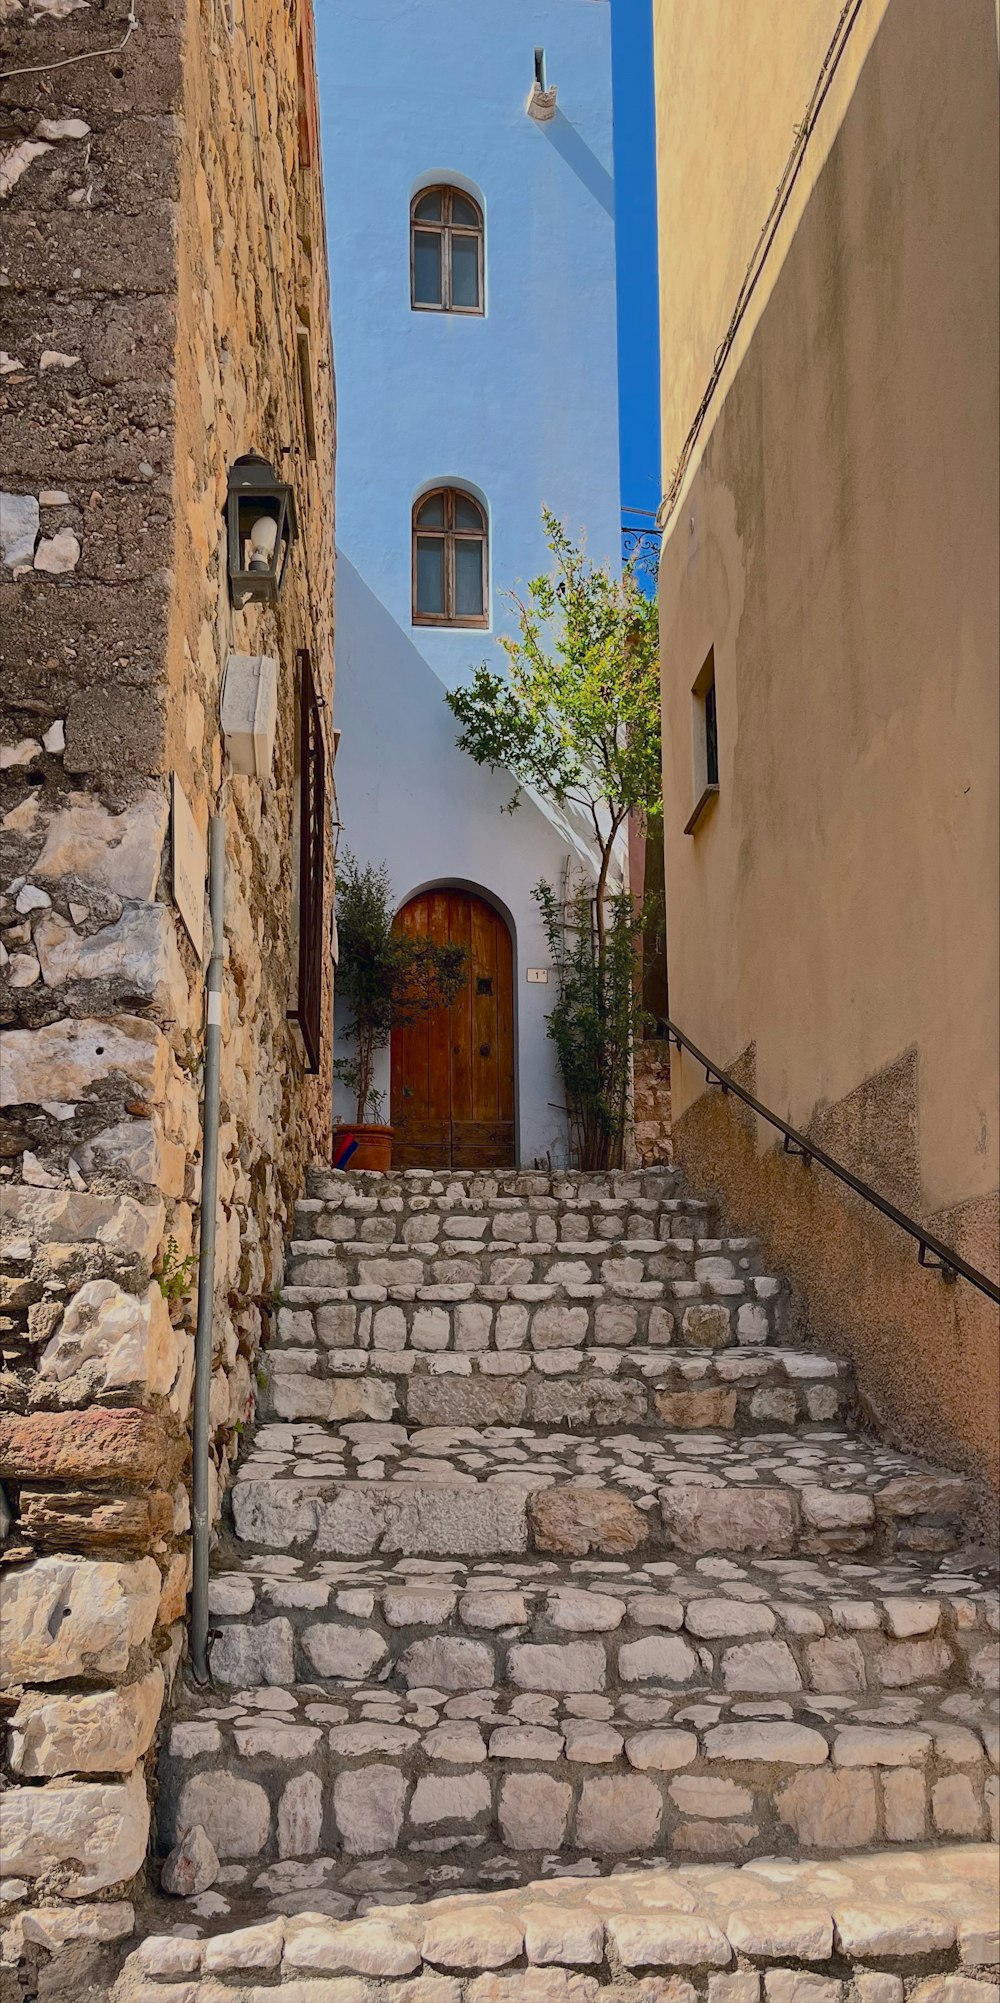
449, 560
446, 252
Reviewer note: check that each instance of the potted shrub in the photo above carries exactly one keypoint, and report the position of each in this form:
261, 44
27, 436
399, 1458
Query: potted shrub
388, 980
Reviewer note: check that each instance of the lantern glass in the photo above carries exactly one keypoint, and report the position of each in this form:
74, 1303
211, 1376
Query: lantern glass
261, 524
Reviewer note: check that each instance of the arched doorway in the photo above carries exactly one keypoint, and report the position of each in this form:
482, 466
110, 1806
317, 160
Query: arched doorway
452, 1081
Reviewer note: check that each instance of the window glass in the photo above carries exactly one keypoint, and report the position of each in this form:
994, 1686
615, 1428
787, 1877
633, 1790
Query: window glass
467, 514
711, 737
427, 267
430, 574
446, 251
465, 271
430, 514
468, 579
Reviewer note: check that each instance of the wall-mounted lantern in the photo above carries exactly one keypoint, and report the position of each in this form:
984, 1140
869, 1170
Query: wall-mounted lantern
541, 104
260, 516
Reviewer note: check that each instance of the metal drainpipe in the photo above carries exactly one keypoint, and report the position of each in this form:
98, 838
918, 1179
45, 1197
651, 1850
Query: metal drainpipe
206, 1260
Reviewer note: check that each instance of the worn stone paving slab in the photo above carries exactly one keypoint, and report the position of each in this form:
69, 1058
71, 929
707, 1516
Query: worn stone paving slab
596, 1189
586, 1389
366, 1486
769, 1625
769, 1932
510, 1315
561, 1758
621, 1268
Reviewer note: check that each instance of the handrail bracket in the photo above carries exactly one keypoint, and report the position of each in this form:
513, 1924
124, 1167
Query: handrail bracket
792, 1148
935, 1265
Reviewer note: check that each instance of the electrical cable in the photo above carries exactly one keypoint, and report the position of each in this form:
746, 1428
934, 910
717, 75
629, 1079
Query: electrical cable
86, 55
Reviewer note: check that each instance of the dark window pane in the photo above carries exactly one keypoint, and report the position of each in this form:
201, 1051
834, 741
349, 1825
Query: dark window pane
430, 575
468, 515
468, 580
465, 271
464, 211
711, 738
428, 209
430, 513
427, 267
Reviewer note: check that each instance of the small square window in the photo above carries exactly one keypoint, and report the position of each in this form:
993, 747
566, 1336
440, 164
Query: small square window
705, 741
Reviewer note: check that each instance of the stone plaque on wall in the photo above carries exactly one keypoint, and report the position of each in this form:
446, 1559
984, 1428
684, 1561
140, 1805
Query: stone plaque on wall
190, 864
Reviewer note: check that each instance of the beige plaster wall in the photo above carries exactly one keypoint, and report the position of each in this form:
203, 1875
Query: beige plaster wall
836, 544
733, 79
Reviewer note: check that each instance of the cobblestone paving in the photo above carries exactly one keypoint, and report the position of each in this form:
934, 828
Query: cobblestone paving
553, 1566
370, 1486
771, 1932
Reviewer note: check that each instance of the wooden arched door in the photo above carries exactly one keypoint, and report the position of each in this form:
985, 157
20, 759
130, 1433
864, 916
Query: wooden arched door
452, 1090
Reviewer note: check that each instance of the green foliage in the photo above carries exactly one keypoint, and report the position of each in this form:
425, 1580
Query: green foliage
577, 716
577, 719
388, 979
175, 1274
595, 1018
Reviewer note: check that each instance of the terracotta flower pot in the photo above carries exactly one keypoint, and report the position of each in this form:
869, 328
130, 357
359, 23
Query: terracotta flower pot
373, 1149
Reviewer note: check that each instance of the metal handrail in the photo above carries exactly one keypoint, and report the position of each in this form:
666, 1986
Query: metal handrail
933, 1254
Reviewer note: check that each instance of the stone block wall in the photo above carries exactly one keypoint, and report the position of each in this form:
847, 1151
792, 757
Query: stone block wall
165, 310
651, 1131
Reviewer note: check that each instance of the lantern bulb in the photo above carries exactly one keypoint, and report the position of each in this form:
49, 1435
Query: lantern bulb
263, 537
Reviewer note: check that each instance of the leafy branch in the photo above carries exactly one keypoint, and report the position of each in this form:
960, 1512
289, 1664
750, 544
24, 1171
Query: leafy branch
576, 717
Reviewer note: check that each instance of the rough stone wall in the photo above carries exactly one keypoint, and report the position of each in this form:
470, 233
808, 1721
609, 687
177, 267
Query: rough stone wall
651, 1133
152, 325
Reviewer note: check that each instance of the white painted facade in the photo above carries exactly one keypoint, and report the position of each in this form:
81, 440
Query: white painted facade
518, 406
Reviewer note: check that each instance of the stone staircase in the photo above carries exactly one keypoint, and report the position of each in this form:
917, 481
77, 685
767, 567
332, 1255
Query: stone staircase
551, 1558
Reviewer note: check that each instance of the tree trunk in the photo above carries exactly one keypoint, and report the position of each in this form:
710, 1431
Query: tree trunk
366, 1065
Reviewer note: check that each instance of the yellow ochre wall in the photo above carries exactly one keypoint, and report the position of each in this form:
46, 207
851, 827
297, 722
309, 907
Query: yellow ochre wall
832, 920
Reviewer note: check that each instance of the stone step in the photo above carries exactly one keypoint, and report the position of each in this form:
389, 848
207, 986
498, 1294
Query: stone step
499, 1220
764, 1627
466, 1315
571, 1187
366, 1487
812, 1934
630, 1269
273, 1773
586, 1389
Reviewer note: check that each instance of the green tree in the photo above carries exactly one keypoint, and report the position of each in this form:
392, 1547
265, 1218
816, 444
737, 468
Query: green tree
577, 715
598, 1009
388, 979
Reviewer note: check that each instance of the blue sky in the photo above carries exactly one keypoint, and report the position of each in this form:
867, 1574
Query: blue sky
638, 308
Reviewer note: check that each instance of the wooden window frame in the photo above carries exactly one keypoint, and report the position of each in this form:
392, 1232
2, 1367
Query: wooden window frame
705, 740
307, 1013
450, 536
446, 229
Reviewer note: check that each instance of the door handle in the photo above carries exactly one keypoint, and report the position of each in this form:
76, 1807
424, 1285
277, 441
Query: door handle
484, 1050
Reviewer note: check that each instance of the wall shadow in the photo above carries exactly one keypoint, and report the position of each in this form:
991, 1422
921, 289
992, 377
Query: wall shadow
584, 163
